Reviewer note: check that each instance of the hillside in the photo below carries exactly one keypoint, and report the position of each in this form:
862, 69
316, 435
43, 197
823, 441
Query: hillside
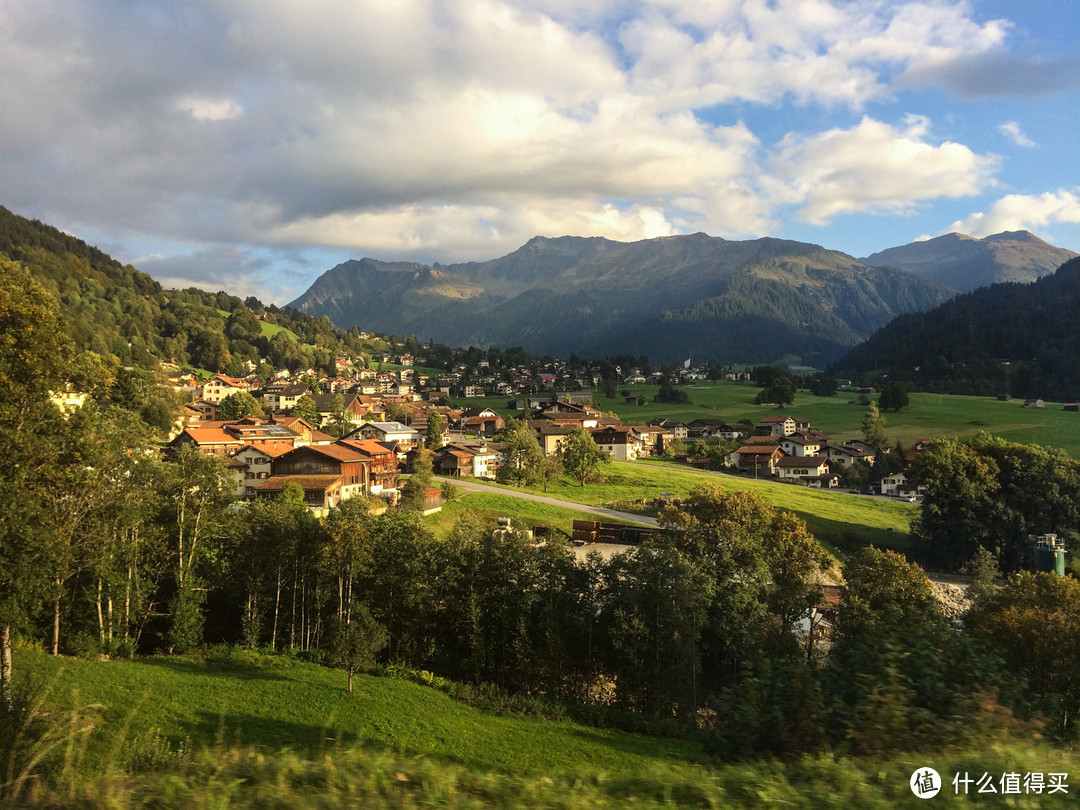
717, 299
1020, 339
128, 319
966, 263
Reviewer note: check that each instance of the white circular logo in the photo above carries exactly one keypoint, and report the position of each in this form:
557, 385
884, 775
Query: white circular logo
925, 783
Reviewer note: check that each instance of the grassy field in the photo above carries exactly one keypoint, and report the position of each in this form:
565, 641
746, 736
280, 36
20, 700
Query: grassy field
489, 506
177, 733
929, 416
840, 521
279, 703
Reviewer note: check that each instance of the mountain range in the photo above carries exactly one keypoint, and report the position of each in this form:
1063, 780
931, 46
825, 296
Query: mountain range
695, 295
965, 263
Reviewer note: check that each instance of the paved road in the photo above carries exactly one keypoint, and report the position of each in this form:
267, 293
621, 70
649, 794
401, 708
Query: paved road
528, 496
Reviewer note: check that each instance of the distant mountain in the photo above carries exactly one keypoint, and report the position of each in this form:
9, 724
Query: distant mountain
750, 301
1019, 339
966, 263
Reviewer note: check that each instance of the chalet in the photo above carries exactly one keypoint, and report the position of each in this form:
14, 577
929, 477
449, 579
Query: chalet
210, 441
798, 446
481, 422
351, 403
651, 439
252, 465
896, 485
622, 442
350, 466
220, 386
403, 436
461, 460
321, 492
848, 453
196, 413
678, 429
780, 425
795, 468
382, 464
550, 434
283, 397
757, 459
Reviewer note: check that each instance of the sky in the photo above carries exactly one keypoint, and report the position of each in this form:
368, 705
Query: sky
250, 145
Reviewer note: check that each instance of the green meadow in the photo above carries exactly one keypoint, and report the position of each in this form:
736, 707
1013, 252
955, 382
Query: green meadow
929, 416
267, 731
489, 506
840, 520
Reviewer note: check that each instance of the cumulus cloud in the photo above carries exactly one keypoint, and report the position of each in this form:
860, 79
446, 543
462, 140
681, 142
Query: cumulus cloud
460, 128
1022, 212
1012, 131
873, 167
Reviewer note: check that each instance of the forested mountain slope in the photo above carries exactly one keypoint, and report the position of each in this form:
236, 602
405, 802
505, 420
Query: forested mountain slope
1020, 339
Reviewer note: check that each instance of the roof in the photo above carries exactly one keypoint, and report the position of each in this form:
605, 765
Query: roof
277, 482
272, 450
207, 435
335, 451
758, 450
388, 427
369, 447
801, 461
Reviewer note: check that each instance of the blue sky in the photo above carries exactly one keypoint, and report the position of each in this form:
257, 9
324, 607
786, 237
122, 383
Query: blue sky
249, 145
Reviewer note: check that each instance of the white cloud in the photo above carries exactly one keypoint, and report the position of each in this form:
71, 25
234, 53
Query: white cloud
210, 109
1012, 131
1022, 212
872, 168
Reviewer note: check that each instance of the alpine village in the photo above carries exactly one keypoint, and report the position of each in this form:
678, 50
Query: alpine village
725, 539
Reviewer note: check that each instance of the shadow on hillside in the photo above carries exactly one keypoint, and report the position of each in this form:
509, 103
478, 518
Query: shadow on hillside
187, 666
274, 734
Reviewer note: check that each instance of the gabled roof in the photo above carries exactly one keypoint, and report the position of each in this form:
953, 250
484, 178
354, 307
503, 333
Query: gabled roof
278, 482
369, 447
271, 451
801, 461
759, 450
335, 451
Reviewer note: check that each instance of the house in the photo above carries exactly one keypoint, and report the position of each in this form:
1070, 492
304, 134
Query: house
795, 445
636, 400
794, 468
481, 422
848, 453
622, 442
895, 485
283, 397
915, 449
220, 386
461, 460
1034, 403
678, 429
351, 403
195, 413
550, 434
252, 465
757, 459
321, 492
350, 466
382, 466
403, 436
781, 425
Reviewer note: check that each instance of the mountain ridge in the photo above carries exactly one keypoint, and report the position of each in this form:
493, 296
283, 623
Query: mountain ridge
593, 296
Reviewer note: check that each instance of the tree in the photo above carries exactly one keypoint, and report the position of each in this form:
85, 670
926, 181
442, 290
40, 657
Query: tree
521, 454
433, 437
780, 392
962, 506
580, 455
893, 397
414, 490
307, 410
355, 643
238, 405
34, 351
551, 470
873, 427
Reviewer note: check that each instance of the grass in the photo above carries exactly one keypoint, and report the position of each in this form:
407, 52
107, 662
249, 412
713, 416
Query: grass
279, 703
929, 416
489, 506
840, 521
286, 734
